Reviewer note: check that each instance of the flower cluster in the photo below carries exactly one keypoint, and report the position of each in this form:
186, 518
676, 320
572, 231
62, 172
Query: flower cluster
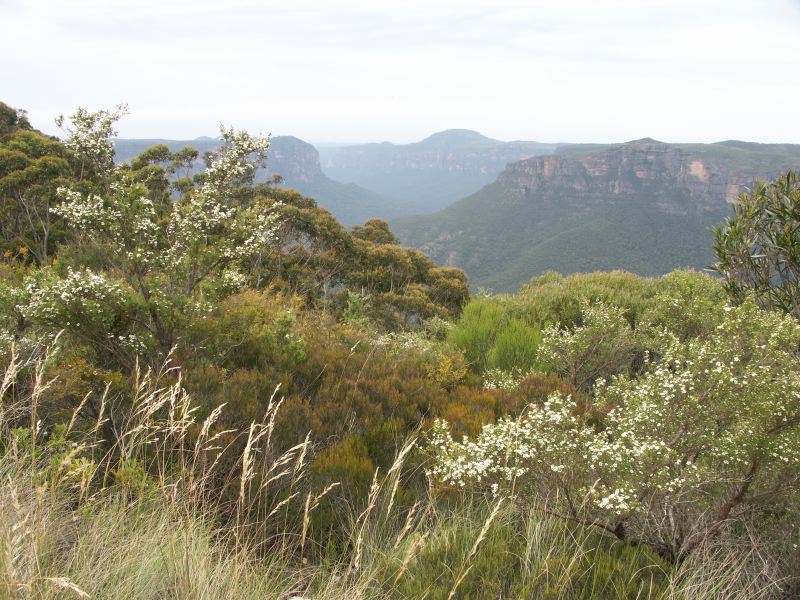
258, 233
85, 212
81, 297
91, 133
404, 342
497, 379
595, 349
236, 159
206, 236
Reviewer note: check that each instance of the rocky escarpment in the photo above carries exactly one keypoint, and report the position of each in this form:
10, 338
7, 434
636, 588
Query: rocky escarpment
662, 171
292, 158
643, 206
454, 150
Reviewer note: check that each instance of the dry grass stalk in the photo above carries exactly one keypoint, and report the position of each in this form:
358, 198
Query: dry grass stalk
474, 549
310, 506
66, 584
406, 526
361, 522
395, 470
409, 554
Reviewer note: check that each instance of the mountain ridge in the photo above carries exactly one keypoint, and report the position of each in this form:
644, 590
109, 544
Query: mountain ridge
643, 206
430, 174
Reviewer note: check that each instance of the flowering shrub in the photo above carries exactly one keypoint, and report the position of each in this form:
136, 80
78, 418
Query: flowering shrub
601, 346
706, 434
89, 138
169, 259
496, 379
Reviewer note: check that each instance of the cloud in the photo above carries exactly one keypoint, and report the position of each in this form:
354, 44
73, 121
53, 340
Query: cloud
569, 71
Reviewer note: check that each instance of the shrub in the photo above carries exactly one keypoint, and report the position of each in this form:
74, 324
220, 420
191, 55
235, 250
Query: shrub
515, 346
758, 247
602, 346
477, 329
707, 435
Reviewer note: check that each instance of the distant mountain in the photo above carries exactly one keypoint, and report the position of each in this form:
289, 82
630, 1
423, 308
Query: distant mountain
643, 206
427, 176
298, 163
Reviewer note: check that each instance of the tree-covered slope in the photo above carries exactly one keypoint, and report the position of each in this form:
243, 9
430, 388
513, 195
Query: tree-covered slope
643, 206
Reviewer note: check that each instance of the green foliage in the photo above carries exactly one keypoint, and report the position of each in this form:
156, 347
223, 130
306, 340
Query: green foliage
131, 476
603, 345
32, 167
515, 347
758, 247
688, 303
318, 258
355, 312
503, 332
556, 299
476, 330
12, 119
376, 231
524, 555
163, 261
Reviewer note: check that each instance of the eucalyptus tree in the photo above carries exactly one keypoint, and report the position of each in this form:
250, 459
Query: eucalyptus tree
758, 247
32, 167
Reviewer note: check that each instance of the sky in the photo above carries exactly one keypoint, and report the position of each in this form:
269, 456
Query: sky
356, 71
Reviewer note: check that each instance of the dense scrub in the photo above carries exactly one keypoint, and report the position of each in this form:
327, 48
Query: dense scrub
245, 287
213, 388
143, 519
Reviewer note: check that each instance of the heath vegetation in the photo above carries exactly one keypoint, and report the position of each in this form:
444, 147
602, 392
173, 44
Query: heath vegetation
212, 389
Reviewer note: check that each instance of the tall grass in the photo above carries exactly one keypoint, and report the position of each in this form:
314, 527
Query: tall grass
150, 515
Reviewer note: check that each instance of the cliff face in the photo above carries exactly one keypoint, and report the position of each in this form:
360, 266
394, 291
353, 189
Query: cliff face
643, 206
295, 160
292, 158
662, 171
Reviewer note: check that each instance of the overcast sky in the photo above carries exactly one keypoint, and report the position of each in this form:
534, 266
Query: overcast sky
327, 71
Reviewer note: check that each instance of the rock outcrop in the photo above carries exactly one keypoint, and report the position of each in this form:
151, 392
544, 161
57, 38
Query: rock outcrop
710, 180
